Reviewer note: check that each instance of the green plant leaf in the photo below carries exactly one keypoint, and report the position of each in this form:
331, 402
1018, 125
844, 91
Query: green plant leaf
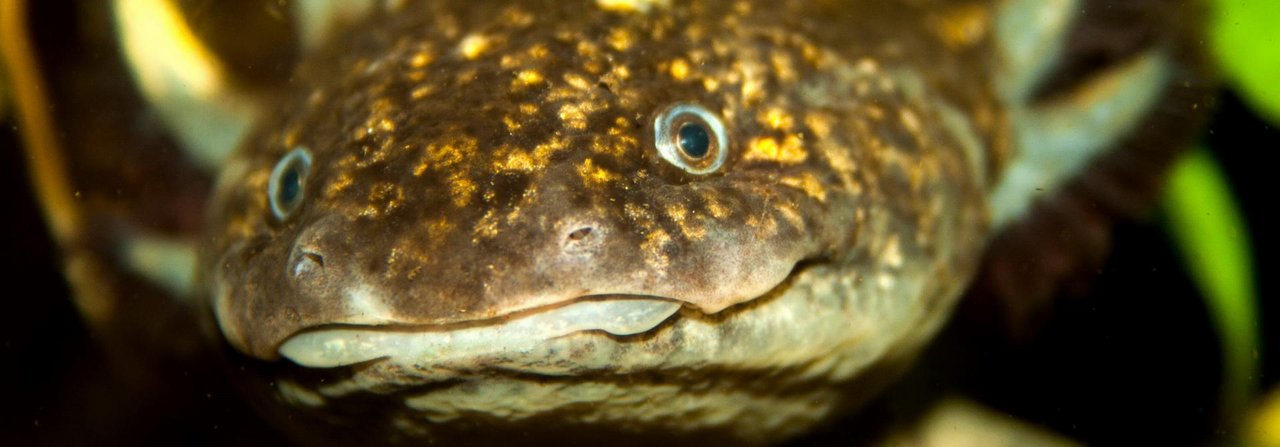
1210, 232
1246, 43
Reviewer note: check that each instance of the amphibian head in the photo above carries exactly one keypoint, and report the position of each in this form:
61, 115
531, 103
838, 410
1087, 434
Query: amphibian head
485, 193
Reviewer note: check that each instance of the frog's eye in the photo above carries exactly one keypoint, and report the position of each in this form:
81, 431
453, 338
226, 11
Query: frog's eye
692, 138
285, 188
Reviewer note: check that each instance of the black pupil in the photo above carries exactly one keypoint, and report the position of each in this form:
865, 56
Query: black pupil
694, 140
290, 184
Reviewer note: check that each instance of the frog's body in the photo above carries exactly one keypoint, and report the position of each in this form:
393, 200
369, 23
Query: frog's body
473, 219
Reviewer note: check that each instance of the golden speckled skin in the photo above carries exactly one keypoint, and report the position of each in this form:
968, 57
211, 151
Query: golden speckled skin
478, 159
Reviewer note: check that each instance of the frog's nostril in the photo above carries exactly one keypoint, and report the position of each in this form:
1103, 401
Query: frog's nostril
579, 234
307, 263
582, 240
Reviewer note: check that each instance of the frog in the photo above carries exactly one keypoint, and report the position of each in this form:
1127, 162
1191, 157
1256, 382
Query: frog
627, 221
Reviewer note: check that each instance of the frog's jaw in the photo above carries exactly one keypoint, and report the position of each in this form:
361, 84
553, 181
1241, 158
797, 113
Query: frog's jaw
826, 328
343, 346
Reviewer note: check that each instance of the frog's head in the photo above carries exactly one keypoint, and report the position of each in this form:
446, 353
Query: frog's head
485, 187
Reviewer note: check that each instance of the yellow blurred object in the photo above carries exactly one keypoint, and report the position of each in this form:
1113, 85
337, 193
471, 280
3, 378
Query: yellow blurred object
1264, 425
4, 87
183, 79
956, 422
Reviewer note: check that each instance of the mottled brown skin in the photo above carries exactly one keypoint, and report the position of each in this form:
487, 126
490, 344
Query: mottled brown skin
479, 160
452, 171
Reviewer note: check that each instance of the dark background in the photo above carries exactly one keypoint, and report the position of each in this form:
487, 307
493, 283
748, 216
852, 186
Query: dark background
1133, 361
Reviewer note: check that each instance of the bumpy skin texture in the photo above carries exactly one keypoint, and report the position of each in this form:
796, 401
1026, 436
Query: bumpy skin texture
475, 160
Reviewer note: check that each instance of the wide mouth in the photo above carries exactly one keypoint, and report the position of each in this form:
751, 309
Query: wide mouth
335, 346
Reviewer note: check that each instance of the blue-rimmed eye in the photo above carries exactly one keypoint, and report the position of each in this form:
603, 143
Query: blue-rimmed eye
286, 187
691, 137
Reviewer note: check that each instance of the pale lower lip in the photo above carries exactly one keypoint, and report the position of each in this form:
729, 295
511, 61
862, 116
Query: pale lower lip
350, 345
